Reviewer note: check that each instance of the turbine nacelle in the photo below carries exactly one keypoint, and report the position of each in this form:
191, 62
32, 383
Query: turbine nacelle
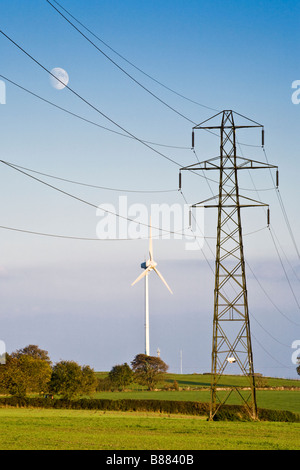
148, 263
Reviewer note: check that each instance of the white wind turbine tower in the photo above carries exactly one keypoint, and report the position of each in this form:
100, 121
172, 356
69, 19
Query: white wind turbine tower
148, 266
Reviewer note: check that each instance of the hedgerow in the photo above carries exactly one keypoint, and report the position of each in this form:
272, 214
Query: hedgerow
226, 412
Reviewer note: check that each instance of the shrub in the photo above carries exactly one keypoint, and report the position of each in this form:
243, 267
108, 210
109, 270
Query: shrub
104, 385
175, 385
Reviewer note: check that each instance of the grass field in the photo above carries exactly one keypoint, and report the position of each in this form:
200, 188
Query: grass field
61, 429
272, 399
204, 380
193, 381
87, 430
195, 387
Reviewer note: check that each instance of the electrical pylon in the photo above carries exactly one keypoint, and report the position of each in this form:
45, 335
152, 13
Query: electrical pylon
231, 325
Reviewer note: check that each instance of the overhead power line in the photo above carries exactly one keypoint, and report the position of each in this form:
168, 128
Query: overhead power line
88, 120
130, 76
284, 270
90, 203
286, 258
90, 185
273, 236
125, 133
270, 298
19, 167
284, 211
131, 63
97, 109
88, 103
51, 235
69, 237
121, 68
271, 355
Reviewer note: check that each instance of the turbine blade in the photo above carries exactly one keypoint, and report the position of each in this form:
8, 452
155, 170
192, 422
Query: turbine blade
142, 275
150, 242
163, 280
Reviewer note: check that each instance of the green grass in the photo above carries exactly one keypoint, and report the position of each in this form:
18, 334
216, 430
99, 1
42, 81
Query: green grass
62, 429
35, 429
272, 399
195, 387
204, 381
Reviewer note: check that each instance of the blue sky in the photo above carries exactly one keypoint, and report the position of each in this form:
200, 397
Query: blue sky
73, 297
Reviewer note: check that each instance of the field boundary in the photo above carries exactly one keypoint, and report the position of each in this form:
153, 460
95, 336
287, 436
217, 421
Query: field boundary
193, 408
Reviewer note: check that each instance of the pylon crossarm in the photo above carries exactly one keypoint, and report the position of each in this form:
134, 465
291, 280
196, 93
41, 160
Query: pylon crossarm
224, 127
245, 164
234, 205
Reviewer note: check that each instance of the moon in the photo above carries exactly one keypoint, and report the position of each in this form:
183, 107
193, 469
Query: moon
62, 75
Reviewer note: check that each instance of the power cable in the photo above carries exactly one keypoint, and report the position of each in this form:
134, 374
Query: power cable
89, 185
269, 334
269, 297
119, 67
284, 270
70, 237
130, 63
13, 165
128, 134
43, 234
94, 107
88, 103
283, 210
276, 248
89, 203
270, 355
286, 258
130, 76
88, 120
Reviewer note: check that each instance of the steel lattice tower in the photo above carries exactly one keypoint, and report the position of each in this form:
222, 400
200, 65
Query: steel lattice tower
231, 325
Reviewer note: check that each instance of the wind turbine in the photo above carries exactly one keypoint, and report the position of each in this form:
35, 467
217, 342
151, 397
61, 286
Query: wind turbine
149, 265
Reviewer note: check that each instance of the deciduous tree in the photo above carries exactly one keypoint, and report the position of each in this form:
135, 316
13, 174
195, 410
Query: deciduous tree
148, 370
23, 374
69, 379
121, 375
33, 351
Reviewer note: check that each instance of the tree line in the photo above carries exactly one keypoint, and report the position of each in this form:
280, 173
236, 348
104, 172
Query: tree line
30, 371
